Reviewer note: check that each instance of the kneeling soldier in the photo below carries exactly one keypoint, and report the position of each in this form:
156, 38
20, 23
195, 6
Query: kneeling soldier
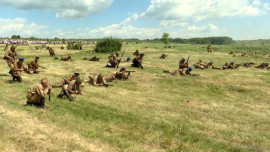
72, 89
17, 70
36, 94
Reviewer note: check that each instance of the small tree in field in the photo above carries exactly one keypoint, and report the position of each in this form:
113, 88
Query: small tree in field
165, 38
108, 45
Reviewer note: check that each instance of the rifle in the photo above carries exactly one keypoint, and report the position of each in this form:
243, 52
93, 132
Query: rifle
42, 67
6, 47
188, 60
121, 59
49, 94
130, 71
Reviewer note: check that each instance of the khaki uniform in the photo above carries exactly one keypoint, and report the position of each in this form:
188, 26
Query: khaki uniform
163, 56
209, 49
11, 57
68, 58
121, 75
51, 51
113, 60
33, 67
95, 81
65, 81
71, 87
183, 65
18, 69
36, 92
136, 53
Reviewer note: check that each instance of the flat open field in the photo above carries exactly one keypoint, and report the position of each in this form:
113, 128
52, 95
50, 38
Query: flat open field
221, 110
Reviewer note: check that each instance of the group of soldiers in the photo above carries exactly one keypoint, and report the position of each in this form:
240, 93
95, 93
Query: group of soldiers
70, 87
17, 67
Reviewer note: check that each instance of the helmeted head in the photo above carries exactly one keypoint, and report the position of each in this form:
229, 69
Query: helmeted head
100, 76
76, 74
21, 59
79, 80
183, 59
232, 62
128, 58
117, 53
142, 54
123, 69
190, 68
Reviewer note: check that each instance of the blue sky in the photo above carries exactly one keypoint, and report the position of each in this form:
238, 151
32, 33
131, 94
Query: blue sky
239, 19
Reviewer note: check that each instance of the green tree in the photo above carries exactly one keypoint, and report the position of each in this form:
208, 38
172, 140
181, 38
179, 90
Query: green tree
165, 38
108, 45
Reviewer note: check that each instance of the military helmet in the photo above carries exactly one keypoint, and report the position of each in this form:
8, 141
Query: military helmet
77, 73
21, 59
190, 68
79, 79
142, 54
128, 58
123, 68
183, 59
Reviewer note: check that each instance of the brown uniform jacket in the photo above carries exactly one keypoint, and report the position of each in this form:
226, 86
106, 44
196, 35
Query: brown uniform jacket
38, 89
33, 65
19, 67
10, 55
97, 81
73, 87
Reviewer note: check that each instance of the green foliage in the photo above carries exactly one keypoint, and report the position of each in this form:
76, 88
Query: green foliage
206, 40
165, 38
15, 37
74, 46
108, 45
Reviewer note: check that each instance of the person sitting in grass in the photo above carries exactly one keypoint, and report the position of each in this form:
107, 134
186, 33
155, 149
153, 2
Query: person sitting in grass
66, 80
36, 94
72, 89
137, 61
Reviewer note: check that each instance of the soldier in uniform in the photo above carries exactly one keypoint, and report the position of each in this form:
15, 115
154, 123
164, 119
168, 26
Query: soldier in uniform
233, 66
137, 61
11, 56
66, 80
17, 70
119, 75
136, 53
36, 94
113, 60
33, 66
98, 80
183, 64
94, 59
209, 49
163, 56
51, 51
180, 72
68, 58
72, 89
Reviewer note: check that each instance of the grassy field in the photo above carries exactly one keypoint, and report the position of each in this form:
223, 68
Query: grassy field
152, 111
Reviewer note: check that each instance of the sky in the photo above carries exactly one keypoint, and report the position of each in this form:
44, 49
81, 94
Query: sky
143, 19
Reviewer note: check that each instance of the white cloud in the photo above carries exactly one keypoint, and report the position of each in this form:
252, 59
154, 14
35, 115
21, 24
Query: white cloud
63, 8
17, 26
194, 10
257, 3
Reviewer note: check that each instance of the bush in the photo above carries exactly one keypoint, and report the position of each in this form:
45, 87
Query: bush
74, 46
108, 45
